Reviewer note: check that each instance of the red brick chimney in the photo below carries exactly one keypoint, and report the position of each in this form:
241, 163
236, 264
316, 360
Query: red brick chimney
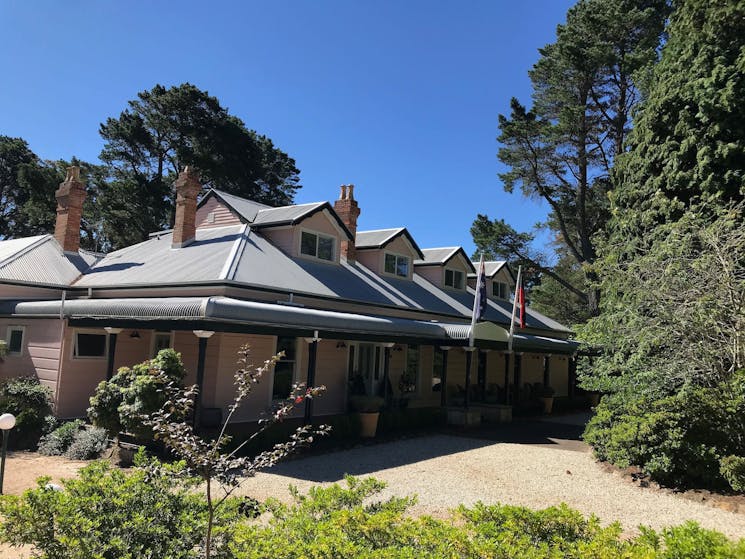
187, 188
70, 197
347, 209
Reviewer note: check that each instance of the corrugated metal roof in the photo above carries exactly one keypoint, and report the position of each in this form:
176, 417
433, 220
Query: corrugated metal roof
11, 247
154, 262
436, 255
40, 260
490, 268
375, 239
248, 209
285, 214
153, 308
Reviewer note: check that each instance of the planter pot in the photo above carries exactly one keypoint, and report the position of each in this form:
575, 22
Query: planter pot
368, 424
548, 404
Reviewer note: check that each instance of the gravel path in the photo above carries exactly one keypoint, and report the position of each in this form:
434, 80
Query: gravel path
445, 470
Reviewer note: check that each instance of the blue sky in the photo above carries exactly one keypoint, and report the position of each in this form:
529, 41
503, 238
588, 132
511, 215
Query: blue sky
398, 97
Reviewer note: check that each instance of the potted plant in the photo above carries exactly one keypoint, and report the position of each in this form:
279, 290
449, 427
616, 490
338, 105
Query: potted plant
546, 395
368, 407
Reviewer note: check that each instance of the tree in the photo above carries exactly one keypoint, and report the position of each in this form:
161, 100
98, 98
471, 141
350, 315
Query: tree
164, 130
27, 186
688, 142
207, 459
562, 150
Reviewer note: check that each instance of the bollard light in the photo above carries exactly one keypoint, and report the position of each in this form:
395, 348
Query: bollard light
7, 422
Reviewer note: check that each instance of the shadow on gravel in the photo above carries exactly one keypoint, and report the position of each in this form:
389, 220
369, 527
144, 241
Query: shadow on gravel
374, 456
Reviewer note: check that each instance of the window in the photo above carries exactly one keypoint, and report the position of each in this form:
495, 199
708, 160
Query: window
14, 339
410, 378
284, 370
397, 265
499, 290
454, 279
89, 345
161, 340
318, 246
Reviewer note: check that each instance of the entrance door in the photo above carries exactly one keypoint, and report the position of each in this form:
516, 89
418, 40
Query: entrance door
368, 366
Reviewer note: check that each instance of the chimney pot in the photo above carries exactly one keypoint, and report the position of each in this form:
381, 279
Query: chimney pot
348, 211
70, 197
187, 187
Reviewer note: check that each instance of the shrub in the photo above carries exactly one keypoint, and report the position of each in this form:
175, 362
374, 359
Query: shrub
29, 401
678, 439
88, 444
121, 403
733, 470
59, 440
352, 521
106, 512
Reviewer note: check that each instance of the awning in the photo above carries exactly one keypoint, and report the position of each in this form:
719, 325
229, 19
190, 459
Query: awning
236, 315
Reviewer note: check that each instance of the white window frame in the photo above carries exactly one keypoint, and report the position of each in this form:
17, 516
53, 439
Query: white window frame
155, 335
455, 272
318, 235
296, 370
8, 331
395, 264
89, 331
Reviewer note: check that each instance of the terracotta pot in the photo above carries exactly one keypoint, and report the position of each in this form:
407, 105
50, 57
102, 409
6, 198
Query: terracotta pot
548, 404
369, 424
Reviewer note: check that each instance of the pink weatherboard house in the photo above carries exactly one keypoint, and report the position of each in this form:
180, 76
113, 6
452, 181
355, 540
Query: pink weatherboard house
363, 309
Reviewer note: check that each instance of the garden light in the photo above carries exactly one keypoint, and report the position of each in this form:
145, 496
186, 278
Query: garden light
7, 422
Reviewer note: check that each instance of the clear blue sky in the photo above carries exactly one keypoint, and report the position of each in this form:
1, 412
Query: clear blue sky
398, 97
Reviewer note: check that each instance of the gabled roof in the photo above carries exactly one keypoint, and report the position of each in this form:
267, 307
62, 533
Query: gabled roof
491, 268
246, 209
40, 260
379, 238
260, 215
441, 256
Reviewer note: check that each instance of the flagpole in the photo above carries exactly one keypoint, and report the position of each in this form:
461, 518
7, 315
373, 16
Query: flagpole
477, 313
518, 284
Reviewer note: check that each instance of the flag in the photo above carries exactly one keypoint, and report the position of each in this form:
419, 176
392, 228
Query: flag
479, 300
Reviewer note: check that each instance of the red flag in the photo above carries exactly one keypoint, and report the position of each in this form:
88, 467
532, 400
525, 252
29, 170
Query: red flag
521, 294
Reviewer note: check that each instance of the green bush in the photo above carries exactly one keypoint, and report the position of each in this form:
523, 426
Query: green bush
110, 513
29, 401
678, 439
88, 444
121, 403
336, 521
733, 470
59, 440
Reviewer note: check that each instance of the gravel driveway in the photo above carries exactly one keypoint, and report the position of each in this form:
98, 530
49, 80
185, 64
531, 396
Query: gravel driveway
445, 470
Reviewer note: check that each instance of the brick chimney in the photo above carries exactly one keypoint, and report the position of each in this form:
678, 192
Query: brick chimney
70, 197
347, 209
187, 188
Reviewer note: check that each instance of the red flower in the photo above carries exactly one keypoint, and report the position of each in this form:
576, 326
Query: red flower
298, 399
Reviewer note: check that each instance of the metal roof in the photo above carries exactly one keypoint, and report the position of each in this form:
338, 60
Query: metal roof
154, 262
39, 260
375, 239
251, 313
490, 267
441, 256
286, 214
381, 237
247, 209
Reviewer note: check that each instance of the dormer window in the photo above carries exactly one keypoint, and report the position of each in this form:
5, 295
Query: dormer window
500, 290
454, 278
317, 245
397, 265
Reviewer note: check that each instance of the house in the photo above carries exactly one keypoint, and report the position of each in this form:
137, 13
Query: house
345, 305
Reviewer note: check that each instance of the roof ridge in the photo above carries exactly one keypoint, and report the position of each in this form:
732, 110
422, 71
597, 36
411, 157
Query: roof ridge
28, 248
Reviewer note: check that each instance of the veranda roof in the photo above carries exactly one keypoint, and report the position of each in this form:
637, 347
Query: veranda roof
235, 315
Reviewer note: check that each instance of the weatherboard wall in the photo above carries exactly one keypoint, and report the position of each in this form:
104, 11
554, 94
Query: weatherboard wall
40, 351
214, 213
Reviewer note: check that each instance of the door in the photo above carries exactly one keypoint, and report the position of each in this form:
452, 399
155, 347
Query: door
368, 367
